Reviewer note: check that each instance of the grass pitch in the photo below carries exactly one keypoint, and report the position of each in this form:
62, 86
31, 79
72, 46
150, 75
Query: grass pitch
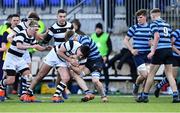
116, 104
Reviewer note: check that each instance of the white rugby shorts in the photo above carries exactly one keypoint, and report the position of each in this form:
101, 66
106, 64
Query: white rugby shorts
52, 60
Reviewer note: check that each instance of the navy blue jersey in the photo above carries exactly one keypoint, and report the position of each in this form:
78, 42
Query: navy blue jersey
141, 35
176, 35
164, 30
86, 40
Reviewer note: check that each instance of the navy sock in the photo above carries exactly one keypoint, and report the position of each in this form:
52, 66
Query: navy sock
162, 83
59, 89
175, 95
145, 95
87, 92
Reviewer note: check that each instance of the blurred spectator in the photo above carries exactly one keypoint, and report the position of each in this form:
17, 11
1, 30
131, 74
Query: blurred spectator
42, 27
14, 21
124, 56
104, 45
3, 28
77, 27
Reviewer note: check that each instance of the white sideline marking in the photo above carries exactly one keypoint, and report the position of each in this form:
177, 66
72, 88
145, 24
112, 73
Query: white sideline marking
88, 112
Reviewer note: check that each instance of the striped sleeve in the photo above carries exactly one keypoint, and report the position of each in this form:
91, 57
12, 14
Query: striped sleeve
154, 27
18, 28
86, 41
19, 38
175, 34
131, 31
69, 45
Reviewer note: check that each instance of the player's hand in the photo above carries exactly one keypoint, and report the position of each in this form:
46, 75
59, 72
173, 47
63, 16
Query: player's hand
73, 56
38, 47
38, 36
10, 39
134, 52
150, 55
150, 43
104, 59
48, 48
74, 62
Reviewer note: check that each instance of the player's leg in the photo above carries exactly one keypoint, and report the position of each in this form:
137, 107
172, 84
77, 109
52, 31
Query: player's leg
26, 81
8, 80
44, 70
142, 68
143, 72
27, 58
149, 81
65, 77
164, 81
16, 84
172, 82
66, 91
82, 84
99, 86
176, 64
23, 68
95, 67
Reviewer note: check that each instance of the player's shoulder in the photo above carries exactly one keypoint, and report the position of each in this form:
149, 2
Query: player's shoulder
21, 33
68, 24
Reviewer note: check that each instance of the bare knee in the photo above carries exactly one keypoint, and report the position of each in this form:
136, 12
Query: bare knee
65, 79
95, 80
10, 80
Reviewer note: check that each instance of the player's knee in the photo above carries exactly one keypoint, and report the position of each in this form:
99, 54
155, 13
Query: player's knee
65, 79
143, 70
10, 80
95, 76
95, 80
41, 74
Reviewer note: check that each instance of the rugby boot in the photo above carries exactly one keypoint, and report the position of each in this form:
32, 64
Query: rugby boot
57, 99
88, 97
104, 99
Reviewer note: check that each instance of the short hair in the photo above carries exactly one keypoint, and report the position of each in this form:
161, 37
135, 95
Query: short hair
141, 12
24, 19
85, 50
15, 15
61, 11
99, 25
76, 21
9, 17
155, 10
33, 24
69, 34
34, 16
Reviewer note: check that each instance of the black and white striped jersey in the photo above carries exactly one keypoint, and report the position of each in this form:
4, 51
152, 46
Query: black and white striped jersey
23, 38
21, 26
57, 32
71, 47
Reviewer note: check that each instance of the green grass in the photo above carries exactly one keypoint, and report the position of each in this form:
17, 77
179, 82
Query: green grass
116, 104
